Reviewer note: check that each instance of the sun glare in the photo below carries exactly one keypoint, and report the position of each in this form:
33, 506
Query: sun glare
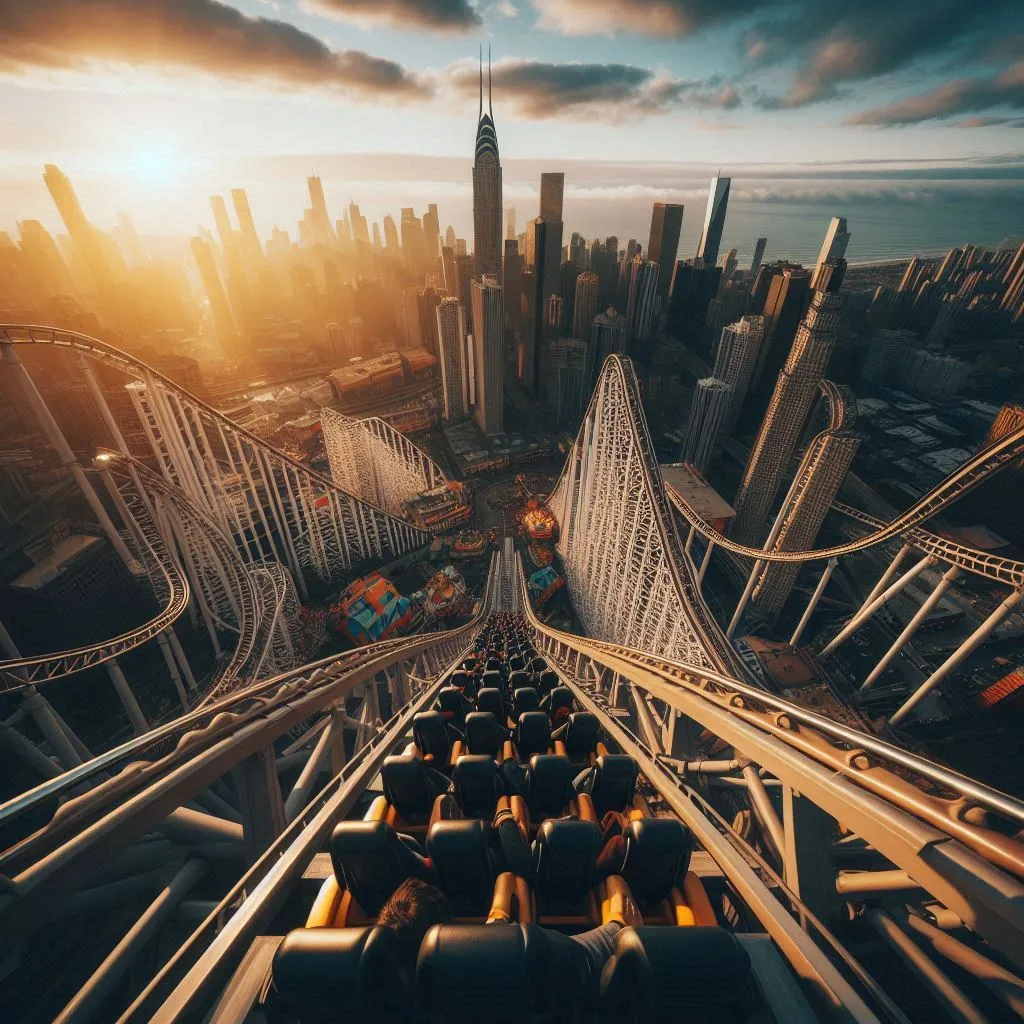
156, 163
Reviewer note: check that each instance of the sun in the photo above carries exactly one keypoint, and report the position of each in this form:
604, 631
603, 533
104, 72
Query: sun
155, 162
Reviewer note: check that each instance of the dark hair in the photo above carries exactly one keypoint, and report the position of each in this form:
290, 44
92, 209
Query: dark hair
414, 908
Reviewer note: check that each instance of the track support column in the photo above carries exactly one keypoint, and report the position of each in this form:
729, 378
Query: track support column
260, 801
131, 706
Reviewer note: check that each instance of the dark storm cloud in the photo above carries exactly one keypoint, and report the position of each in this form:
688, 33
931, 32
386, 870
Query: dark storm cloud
199, 35
440, 15
539, 90
963, 96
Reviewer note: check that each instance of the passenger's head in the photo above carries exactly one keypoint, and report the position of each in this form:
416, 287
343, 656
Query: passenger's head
414, 908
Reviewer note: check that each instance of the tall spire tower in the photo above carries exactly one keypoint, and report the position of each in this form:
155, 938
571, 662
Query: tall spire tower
487, 204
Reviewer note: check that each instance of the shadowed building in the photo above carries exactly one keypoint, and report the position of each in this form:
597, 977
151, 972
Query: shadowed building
663, 244
714, 221
486, 188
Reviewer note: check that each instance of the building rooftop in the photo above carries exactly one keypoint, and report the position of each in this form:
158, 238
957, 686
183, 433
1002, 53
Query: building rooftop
64, 554
696, 492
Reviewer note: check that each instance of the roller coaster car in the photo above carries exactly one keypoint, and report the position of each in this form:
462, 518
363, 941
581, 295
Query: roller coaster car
411, 788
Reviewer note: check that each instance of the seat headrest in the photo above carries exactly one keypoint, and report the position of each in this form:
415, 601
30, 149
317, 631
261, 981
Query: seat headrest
550, 786
431, 736
318, 970
547, 681
477, 785
538, 665
373, 861
673, 974
533, 734
459, 679
657, 857
525, 699
492, 680
501, 974
483, 733
465, 867
564, 857
560, 696
449, 698
489, 699
518, 679
614, 783
581, 735
410, 787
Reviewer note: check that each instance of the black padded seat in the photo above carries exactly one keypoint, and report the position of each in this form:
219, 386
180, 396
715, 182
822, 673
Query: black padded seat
538, 665
560, 697
698, 975
373, 861
411, 786
657, 858
613, 783
478, 784
322, 975
580, 737
533, 734
518, 679
524, 699
564, 857
546, 681
453, 706
516, 663
500, 974
550, 786
466, 868
490, 699
484, 734
430, 734
459, 679
492, 681
494, 665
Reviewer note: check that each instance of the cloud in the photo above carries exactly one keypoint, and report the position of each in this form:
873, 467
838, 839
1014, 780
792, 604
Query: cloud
646, 17
188, 35
962, 96
834, 43
539, 91
437, 15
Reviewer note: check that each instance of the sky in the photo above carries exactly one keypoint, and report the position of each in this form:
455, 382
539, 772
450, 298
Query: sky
153, 105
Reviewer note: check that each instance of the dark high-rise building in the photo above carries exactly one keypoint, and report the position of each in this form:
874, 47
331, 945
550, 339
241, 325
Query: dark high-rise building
464, 274
489, 354
584, 304
693, 289
663, 245
784, 307
486, 188
714, 221
607, 337
828, 276
432, 232
755, 263
643, 286
454, 357
512, 273
568, 274
552, 190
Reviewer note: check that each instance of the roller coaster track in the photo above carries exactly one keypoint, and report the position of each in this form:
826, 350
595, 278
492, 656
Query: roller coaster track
923, 817
617, 532
990, 459
274, 506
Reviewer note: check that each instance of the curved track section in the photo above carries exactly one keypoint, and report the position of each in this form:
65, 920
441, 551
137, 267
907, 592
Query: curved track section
623, 560
273, 506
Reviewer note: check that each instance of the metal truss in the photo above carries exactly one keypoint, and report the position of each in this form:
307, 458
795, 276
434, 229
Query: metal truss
954, 838
373, 461
623, 561
270, 505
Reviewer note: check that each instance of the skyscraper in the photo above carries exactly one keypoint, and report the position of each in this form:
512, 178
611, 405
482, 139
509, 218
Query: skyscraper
252, 251
489, 355
787, 299
486, 187
510, 224
759, 249
714, 221
707, 419
791, 401
391, 235
735, 361
220, 310
643, 286
432, 232
414, 249
512, 285
607, 337
837, 238
454, 357
320, 219
663, 245
552, 191
584, 304
818, 478
84, 236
